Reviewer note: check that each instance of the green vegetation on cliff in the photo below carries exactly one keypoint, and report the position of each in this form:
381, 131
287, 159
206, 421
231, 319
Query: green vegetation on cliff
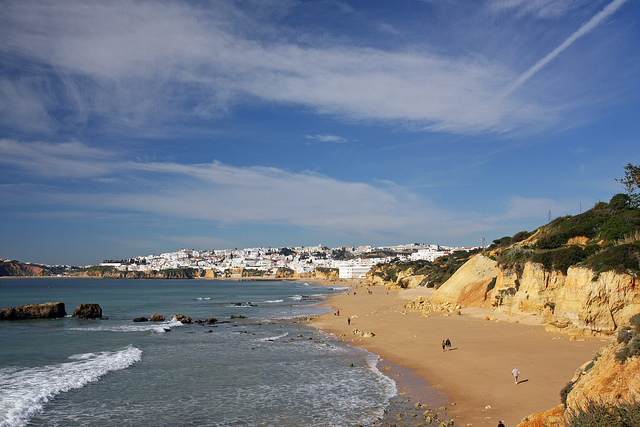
436, 273
605, 238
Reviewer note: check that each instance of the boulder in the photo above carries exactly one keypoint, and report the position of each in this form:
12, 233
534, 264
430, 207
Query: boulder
88, 311
34, 311
182, 318
157, 318
141, 319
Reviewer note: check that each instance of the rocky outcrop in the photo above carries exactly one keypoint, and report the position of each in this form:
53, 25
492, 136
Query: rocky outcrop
88, 311
156, 318
34, 311
182, 318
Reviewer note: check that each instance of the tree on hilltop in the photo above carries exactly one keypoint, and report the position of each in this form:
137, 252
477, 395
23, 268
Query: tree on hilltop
631, 183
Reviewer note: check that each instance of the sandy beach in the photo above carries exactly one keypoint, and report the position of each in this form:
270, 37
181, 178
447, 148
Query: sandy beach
475, 375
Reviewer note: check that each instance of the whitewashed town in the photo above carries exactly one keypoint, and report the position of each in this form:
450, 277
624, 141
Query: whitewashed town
352, 262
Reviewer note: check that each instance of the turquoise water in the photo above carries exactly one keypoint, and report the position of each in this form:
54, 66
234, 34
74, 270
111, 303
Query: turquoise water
252, 371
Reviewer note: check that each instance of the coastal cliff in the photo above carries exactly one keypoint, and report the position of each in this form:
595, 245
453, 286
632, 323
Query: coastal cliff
580, 300
113, 273
14, 268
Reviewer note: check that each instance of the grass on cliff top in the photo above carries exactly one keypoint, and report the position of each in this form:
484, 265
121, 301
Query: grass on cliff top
606, 238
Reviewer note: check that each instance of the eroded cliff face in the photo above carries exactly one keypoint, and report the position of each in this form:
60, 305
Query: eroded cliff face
581, 300
603, 381
20, 269
468, 285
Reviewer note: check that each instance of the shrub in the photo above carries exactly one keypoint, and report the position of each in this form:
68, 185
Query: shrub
518, 237
621, 258
635, 322
565, 392
625, 335
601, 415
615, 228
634, 346
619, 202
563, 258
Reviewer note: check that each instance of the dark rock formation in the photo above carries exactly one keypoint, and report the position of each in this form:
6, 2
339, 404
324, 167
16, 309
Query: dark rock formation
182, 318
141, 319
34, 311
157, 318
88, 311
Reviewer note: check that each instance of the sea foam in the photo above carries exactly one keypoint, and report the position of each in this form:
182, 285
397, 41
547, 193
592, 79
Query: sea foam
25, 391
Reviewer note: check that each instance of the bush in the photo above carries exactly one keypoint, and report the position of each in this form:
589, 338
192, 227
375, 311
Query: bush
634, 346
565, 392
518, 237
563, 258
625, 335
619, 202
621, 258
601, 415
614, 228
635, 322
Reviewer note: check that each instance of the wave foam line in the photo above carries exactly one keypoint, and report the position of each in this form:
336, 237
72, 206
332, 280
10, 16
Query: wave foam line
25, 391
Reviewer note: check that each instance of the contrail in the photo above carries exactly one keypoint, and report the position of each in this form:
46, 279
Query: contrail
593, 22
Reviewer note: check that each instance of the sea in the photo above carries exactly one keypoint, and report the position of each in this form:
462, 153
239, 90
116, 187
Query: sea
257, 366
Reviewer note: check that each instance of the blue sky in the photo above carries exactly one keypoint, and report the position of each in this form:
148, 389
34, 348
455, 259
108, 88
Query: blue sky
131, 127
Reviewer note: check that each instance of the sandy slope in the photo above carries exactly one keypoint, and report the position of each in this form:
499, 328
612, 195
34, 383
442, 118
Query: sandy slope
476, 373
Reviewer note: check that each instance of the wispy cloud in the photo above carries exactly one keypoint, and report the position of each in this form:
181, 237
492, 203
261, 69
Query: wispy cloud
135, 64
328, 138
545, 9
89, 182
584, 29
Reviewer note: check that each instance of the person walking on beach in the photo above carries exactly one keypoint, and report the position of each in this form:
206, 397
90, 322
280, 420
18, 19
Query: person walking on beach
515, 373
444, 345
500, 424
448, 343
348, 320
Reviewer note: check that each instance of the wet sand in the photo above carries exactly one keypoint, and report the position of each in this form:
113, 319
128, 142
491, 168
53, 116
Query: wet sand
474, 376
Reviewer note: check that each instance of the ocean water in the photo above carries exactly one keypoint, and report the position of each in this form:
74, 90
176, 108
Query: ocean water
258, 370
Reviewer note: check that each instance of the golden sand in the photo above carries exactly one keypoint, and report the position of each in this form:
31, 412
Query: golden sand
475, 375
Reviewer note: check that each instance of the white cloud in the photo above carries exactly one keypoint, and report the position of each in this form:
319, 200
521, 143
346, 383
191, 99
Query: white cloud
328, 138
545, 9
71, 159
135, 64
212, 192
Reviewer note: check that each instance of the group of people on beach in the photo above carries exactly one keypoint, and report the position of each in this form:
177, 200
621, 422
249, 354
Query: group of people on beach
446, 344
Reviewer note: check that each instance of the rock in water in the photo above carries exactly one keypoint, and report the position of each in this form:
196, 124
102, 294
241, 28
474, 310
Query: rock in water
156, 317
141, 319
88, 311
34, 311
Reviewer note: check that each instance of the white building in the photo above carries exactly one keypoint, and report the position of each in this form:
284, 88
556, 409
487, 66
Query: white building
427, 254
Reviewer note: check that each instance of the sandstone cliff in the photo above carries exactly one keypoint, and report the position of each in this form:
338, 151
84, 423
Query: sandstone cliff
580, 300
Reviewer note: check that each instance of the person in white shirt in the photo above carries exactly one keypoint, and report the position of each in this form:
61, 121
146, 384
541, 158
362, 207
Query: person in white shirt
515, 373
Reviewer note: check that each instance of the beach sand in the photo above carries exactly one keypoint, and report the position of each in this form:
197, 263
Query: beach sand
474, 377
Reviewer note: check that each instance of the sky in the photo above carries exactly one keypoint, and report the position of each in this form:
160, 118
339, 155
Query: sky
140, 127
